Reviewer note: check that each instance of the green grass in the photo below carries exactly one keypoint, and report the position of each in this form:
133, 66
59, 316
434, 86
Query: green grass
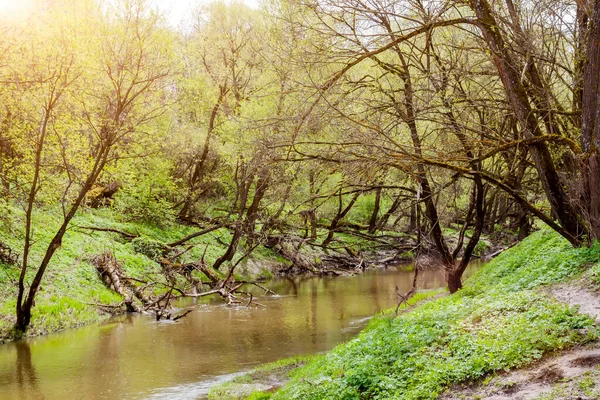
501, 320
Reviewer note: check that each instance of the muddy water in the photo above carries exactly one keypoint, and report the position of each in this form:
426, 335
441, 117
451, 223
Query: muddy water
134, 357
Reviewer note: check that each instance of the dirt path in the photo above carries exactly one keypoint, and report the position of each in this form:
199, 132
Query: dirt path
576, 294
541, 379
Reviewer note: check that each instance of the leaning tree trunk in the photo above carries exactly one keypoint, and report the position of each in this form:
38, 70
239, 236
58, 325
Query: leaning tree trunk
200, 166
517, 95
375, 213
341, 214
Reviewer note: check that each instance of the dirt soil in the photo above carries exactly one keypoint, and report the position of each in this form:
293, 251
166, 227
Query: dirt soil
541, 379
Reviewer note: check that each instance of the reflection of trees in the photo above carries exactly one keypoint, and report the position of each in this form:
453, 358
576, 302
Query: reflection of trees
293, 285
314, 302
107, 354
27, 379
313, 319
376, 294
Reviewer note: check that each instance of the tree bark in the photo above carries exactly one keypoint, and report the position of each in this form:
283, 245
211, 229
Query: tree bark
342, 212
199, 168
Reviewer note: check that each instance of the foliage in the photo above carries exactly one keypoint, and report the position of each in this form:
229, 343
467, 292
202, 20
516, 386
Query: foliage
542, 259
147, 188
581, 387
284, 122
149, 247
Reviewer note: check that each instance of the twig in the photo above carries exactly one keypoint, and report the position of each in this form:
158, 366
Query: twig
182, 252
403, 298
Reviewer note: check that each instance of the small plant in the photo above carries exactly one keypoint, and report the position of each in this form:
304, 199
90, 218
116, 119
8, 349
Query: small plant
149, 247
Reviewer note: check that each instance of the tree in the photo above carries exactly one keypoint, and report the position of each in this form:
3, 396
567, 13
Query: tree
126, 69
390, 61
223, 50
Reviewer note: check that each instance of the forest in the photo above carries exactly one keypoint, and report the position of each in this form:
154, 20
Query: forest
419, 126
142, 162
153, 168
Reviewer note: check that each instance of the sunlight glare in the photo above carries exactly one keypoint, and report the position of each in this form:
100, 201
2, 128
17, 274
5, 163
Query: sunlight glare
15, 8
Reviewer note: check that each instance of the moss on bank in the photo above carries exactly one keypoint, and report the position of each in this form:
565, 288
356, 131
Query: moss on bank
501, 320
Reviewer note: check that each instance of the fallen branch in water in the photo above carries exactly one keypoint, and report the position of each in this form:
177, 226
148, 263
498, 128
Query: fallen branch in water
403, 298
139, 297
178, 317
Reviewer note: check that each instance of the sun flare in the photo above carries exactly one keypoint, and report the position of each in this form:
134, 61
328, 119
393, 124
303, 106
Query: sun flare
15, 8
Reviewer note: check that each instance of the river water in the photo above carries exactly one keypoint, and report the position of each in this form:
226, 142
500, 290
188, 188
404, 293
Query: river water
134, 357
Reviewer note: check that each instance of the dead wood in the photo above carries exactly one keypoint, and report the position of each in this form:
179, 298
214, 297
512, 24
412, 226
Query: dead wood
403, 298
105, 195
344, 262
111, 272
196, 234
7, 255
497, 253
138, 298
186, 312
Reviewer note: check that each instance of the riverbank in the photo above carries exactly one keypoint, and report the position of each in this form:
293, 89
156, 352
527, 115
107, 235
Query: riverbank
140, 358
504, 318
72, 293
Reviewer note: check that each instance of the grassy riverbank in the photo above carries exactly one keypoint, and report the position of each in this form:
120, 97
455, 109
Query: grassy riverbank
503, 319
71, 286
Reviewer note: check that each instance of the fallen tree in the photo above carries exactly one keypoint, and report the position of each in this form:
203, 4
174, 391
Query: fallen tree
177, 279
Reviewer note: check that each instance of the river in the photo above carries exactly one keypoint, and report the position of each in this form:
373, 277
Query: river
134, 357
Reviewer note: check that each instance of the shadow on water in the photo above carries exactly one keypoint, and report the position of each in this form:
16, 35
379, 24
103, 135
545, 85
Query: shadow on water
135, 357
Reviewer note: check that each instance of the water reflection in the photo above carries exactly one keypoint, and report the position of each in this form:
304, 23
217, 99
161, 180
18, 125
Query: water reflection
136, 358
27, 380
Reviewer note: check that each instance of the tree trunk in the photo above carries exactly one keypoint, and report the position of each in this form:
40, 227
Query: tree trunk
199, 168
453, 280
340, 215
590, 131
24, 307
383, 221
412, 222
373, 220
